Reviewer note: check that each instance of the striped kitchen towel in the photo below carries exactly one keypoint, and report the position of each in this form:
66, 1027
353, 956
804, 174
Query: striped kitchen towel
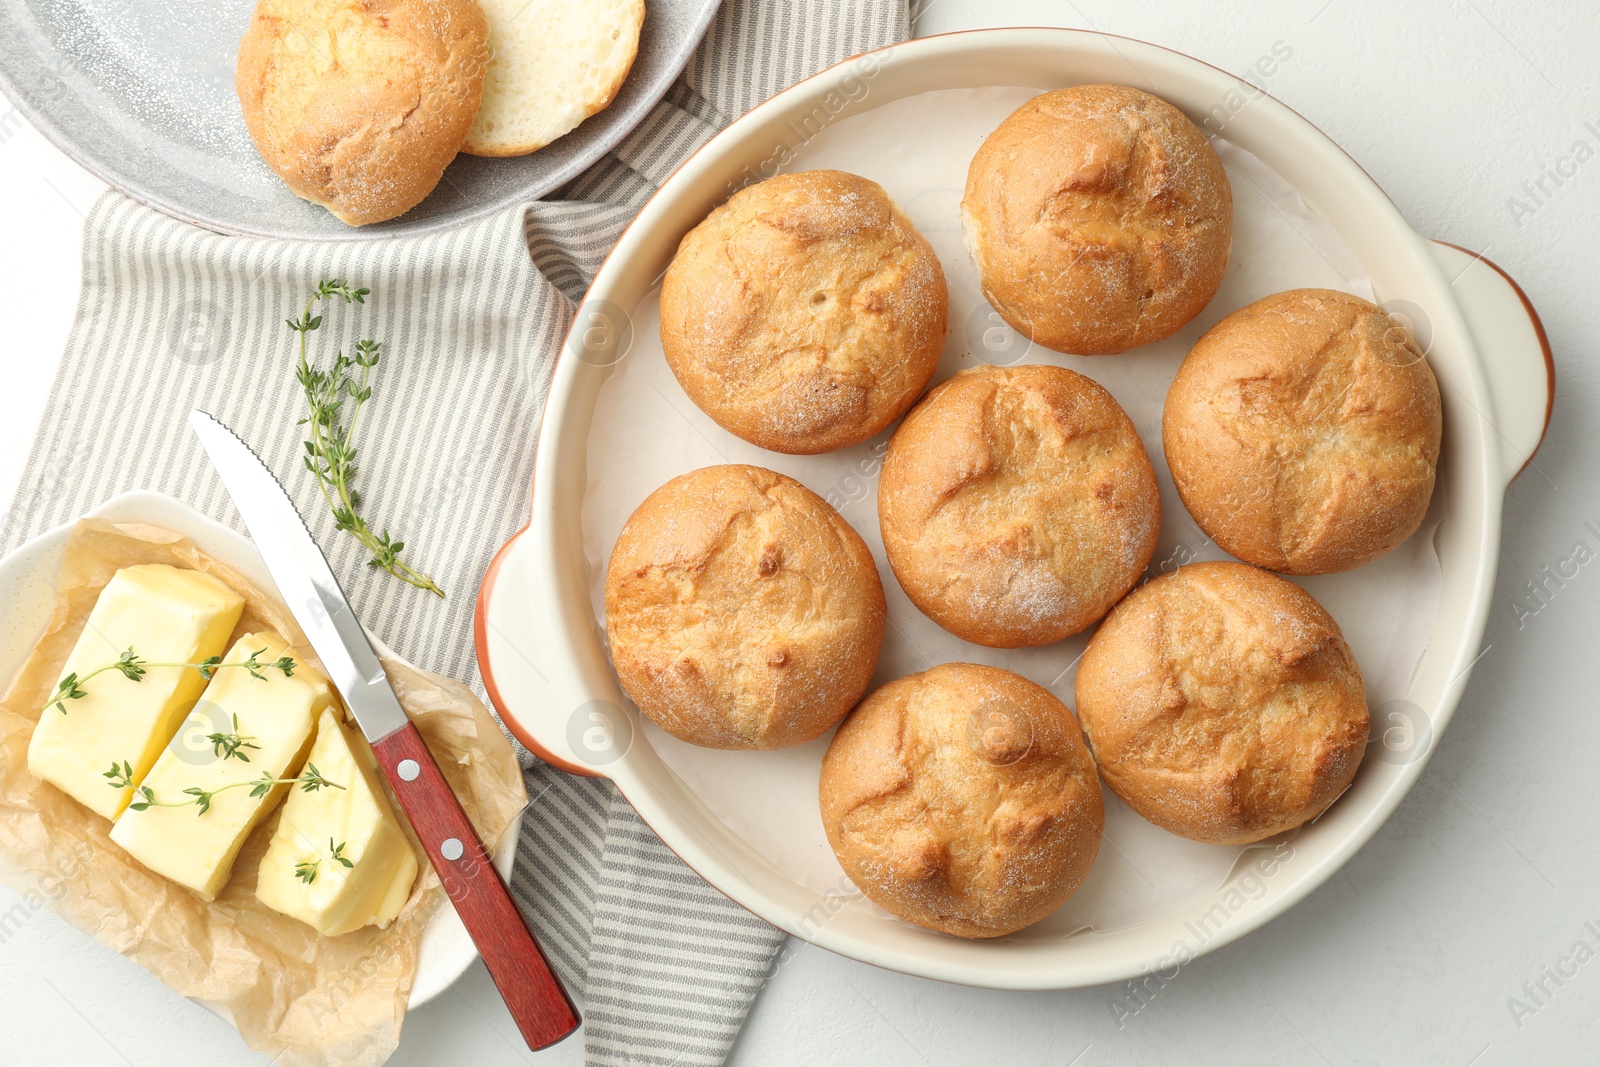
173, 317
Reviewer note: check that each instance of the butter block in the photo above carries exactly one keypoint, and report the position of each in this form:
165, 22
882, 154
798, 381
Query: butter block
277, 715
166, 615
338, 899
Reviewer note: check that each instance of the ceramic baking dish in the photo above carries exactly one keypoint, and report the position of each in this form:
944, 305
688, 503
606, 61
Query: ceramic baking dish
542, 653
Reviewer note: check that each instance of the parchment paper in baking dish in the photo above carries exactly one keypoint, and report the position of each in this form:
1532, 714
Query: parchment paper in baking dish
646, 431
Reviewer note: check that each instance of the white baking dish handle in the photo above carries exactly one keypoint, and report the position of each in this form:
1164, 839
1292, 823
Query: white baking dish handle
510, 659
1514, 349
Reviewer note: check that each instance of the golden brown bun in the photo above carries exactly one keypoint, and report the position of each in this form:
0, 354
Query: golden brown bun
1099, 218
963, 799
1017, 504
1303, 432
805, 314
1223, 704
742, 611
359, 106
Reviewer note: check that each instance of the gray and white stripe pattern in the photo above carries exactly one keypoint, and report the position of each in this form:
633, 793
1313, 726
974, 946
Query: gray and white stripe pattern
173, 317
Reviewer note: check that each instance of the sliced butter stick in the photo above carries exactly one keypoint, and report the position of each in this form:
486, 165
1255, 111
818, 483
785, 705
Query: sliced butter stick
276, 715
339, 859
166, 615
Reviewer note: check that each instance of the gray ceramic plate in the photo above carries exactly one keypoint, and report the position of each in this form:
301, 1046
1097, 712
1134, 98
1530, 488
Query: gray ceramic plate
140, 92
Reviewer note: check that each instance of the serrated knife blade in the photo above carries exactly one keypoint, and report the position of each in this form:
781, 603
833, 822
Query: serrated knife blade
304, 579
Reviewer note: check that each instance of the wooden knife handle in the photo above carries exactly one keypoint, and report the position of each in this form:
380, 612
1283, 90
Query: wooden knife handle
541, 1007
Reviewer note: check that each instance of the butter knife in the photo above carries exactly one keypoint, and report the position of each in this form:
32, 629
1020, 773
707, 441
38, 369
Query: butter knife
538, 1002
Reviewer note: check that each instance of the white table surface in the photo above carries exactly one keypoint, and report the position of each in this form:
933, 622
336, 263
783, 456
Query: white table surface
1475, 894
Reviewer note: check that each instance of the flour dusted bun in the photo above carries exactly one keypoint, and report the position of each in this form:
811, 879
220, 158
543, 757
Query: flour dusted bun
1303, 432
359, 107
1223, 704
741, 610
805, 314
1099, 217
554, 63
963, 799
1017, 504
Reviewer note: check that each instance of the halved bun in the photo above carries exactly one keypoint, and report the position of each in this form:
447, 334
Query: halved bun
553, 64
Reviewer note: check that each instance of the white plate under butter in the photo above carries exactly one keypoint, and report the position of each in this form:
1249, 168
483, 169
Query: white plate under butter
27, 590
543, 657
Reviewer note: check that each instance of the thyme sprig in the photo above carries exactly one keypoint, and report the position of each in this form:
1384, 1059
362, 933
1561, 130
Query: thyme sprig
120, 777
134, 668
310, 780
307, 871
330, 449
232, 745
